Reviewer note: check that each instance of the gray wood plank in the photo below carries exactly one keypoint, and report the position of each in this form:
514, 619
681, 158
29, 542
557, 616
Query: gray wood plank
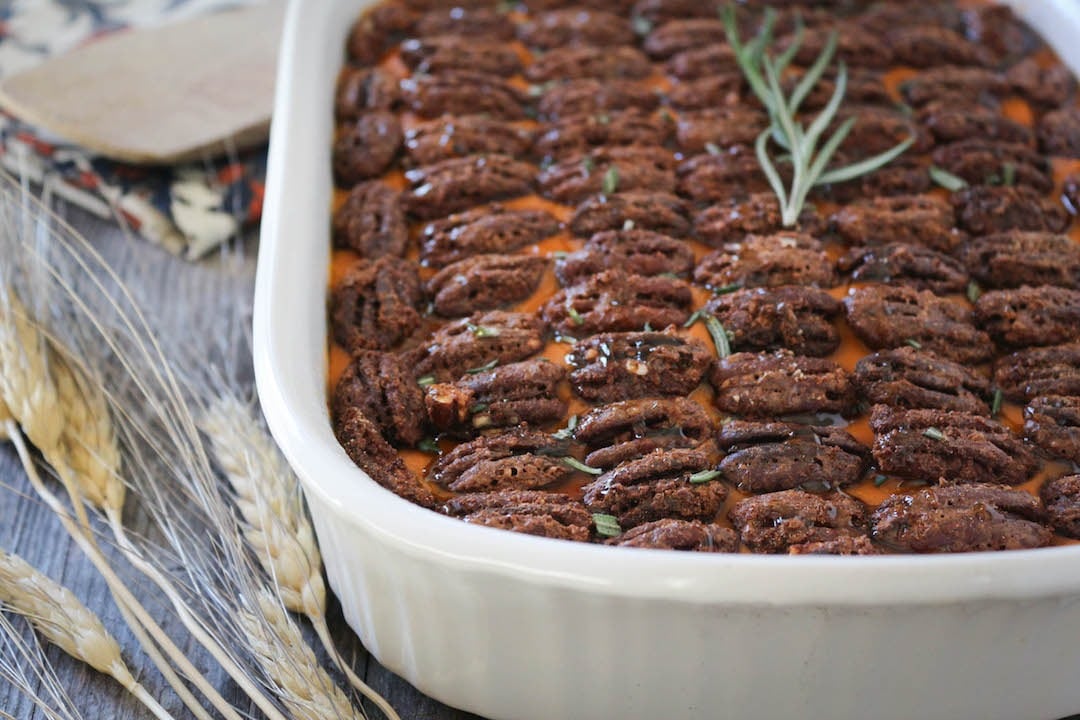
185, 299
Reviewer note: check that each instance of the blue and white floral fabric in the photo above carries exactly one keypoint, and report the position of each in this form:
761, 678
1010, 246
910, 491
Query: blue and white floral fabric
188, 209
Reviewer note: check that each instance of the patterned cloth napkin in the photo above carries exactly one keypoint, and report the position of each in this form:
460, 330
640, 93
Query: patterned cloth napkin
187, 209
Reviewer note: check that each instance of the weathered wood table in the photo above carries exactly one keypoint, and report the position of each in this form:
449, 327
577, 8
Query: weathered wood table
181, 296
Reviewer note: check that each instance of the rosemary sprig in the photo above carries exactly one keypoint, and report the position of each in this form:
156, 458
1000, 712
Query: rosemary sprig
809, 162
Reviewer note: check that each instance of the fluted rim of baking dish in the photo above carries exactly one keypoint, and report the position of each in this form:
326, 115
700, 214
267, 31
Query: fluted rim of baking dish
289, 355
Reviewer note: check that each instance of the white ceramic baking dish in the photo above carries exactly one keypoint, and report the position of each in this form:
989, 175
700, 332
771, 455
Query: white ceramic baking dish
525, 628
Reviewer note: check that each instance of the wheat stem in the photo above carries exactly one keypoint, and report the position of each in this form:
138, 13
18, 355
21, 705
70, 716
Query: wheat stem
116, 586
63, 620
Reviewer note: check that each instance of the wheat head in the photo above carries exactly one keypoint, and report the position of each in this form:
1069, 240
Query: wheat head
302, 686
25, 386
271, 507
59, 616
5, 416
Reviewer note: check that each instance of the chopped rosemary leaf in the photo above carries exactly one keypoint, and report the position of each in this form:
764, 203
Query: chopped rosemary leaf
578, 465
1008, 174
712, 148
704, 476
565, 339
567, 432
606, 525
934, 434
719, 336
974, 292
575, 316
479, 407
995, 406
879, 480
425, 380
642, 26
482, 331
648, 327
559, 254
428, 445
483, 368
693, 319
727, 289
666, 115
588, 164
611, 180
914, 343
946, 179
603, 118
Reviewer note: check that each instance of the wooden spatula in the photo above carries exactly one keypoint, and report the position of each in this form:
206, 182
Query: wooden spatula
169, 94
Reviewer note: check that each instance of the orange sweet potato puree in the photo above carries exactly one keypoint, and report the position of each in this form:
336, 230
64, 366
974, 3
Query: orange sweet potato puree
849, 352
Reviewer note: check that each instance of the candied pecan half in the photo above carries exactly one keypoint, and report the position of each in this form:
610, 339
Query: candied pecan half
609, 170
518, 459
1043, 315
621, 366
365, 446
504, 396
769, 456
644, 210
1053, 423
731, 220
575, 26
365, 148
448, 137
625, 430
614, 301
781, 383
376, 30
463, 92
1059, 133
916, 220
855, 45
484, 282
677, 36
768, 261
702, 62
948, 122
1012, 259
903, 264
789, 316
575, 135
376, 304
637, 252
532, 512
1053, 370
687, 535
478, 22
889, 316
961, 518
950, 446
490, 229
932, 46
985, 210
459, 183
474, 342
775, 522
910, 378
382, 386
371, 221
448, 52
720, 175
949, 83
360, 90
718, 127
589, 96
606, 63
659, 485
1049, 87
988, 162
1061, 496
722, 89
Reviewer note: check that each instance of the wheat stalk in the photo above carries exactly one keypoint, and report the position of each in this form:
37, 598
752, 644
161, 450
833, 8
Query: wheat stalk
304, 687
274, 523
65, 622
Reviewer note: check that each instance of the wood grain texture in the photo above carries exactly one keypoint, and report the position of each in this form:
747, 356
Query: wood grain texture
182, 296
